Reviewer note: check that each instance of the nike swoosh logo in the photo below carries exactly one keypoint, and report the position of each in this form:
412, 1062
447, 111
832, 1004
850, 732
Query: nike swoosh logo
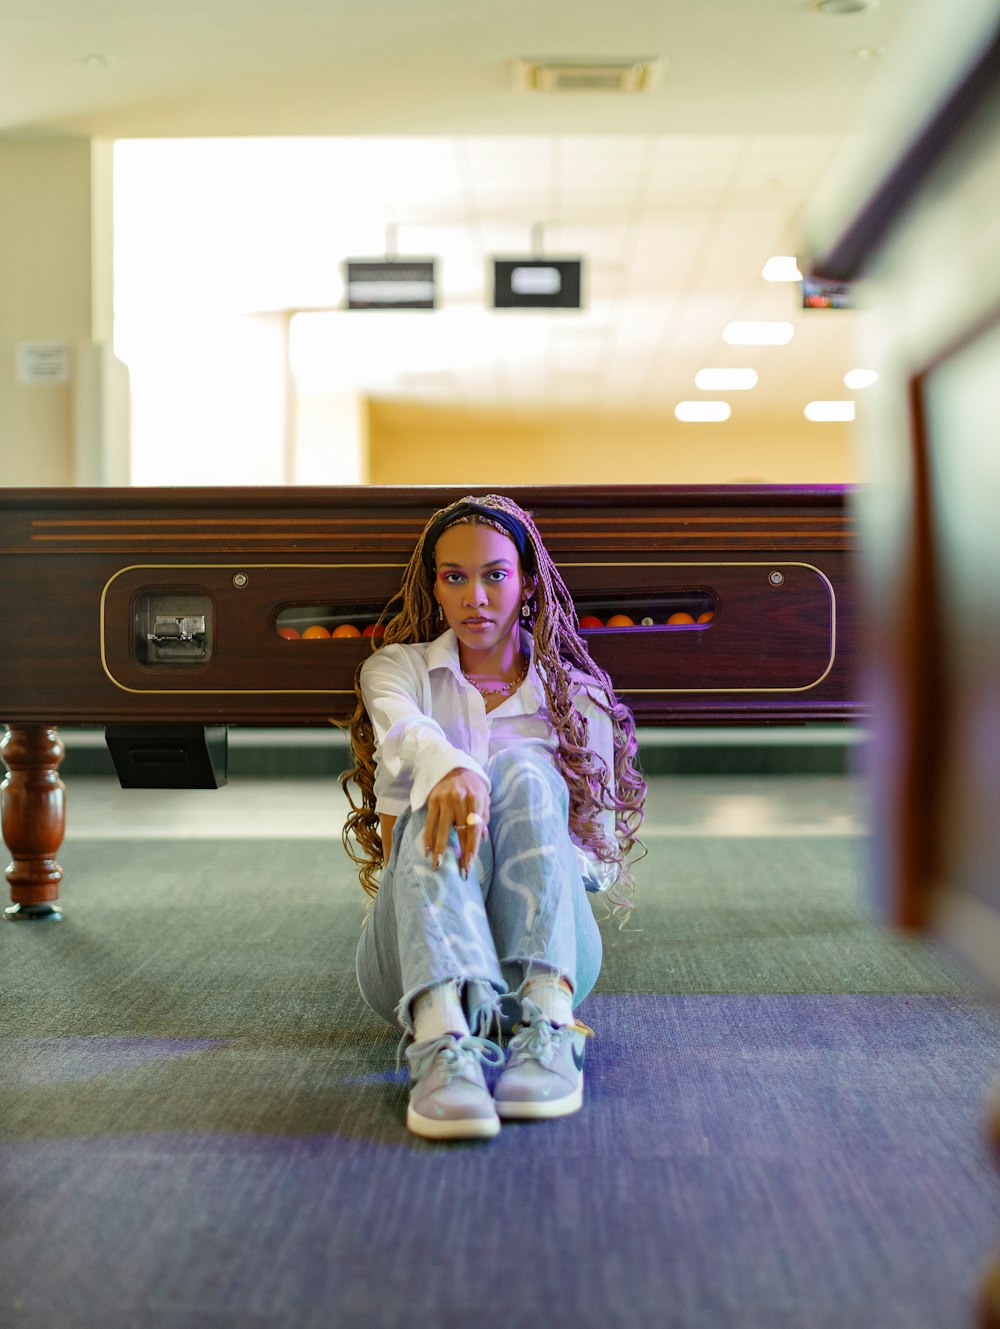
577, 1057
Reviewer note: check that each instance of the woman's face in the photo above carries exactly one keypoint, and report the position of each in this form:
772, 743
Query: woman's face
479, 584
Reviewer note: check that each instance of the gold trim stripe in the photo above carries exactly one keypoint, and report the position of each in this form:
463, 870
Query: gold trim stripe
300, 692
289, 534
413, 521
632, 536
232, 521
222, 692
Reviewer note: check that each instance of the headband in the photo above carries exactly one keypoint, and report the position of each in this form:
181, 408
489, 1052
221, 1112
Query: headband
495, 517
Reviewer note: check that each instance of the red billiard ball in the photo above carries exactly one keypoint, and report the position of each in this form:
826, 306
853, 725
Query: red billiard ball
374, 630
590, 621
290, 634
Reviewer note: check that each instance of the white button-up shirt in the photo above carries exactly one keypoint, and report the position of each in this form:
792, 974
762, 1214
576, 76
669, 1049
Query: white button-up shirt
429, 719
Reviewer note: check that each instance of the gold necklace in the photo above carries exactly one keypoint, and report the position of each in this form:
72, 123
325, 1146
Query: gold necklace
505, 689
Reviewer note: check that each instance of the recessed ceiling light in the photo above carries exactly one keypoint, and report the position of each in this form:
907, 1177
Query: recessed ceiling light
860, 378
702, 412
781, 267
758, 334
823, 411
725, 380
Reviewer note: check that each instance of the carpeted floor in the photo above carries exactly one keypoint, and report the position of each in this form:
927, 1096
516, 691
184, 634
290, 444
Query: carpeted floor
202, 1127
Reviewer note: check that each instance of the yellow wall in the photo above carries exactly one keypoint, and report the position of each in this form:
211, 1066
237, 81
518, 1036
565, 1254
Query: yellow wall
45, 296
414, 444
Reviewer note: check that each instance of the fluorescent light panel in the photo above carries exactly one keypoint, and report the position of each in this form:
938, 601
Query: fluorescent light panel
781, 267
702, 412
823, 411
860, 378
725, 380
758, 334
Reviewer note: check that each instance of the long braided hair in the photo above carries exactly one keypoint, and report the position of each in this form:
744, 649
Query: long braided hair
558, 651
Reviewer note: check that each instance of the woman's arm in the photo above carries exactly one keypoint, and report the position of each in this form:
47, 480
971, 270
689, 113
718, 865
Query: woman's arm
450, 802
386, 824
412, 747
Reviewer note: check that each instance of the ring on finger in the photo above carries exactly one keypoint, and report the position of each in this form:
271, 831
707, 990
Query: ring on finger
473, 819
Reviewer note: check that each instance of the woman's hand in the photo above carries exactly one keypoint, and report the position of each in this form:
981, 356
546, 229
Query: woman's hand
461, 794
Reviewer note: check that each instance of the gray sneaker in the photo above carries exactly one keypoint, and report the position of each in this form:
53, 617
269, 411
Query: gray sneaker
544, 1072
449, 1099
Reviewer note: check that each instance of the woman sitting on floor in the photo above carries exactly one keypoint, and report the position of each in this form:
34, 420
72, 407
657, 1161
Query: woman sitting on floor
495, 767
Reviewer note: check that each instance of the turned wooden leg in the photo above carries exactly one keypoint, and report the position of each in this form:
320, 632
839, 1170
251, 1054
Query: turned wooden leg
33, 814
989, 1293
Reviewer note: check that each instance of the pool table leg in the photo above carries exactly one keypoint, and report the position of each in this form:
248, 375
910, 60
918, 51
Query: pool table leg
33, 815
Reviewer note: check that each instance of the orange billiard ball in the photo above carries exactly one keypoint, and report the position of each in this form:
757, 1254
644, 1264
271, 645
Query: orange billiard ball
590, 621
706, 617
291, 634
314, 632
680, 617
345, 630
620, 621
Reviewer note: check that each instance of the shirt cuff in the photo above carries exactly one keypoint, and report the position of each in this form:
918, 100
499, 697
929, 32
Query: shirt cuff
435, 767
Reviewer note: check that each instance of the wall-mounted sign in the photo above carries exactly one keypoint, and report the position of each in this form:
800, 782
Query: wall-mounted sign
537, 283
390, 283
42, 362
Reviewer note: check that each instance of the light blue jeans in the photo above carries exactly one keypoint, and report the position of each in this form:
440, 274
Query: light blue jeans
523, 908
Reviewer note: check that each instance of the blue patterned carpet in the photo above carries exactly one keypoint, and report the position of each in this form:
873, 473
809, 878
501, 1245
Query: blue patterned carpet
201, 1129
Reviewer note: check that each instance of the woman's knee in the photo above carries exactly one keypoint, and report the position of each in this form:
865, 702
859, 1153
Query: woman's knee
517, 758
535, 769
408, 831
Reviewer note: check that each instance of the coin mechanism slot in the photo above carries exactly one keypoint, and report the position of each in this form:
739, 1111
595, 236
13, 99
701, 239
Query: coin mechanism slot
173, 629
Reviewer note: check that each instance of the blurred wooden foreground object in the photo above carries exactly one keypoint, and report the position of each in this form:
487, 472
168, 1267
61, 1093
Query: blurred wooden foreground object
913, 216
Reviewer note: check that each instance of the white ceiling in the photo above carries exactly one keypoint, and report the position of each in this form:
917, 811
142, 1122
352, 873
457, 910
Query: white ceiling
675, 197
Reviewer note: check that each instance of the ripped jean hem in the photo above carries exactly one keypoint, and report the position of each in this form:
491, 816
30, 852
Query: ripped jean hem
483, 1014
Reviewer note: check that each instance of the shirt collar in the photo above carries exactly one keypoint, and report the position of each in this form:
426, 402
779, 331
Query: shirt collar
442, 653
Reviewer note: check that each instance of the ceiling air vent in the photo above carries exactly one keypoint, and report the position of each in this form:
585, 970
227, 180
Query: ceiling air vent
630, 75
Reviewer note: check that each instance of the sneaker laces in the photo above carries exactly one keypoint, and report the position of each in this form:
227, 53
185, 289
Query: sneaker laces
454, 1053
533, 1037
485, 1015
